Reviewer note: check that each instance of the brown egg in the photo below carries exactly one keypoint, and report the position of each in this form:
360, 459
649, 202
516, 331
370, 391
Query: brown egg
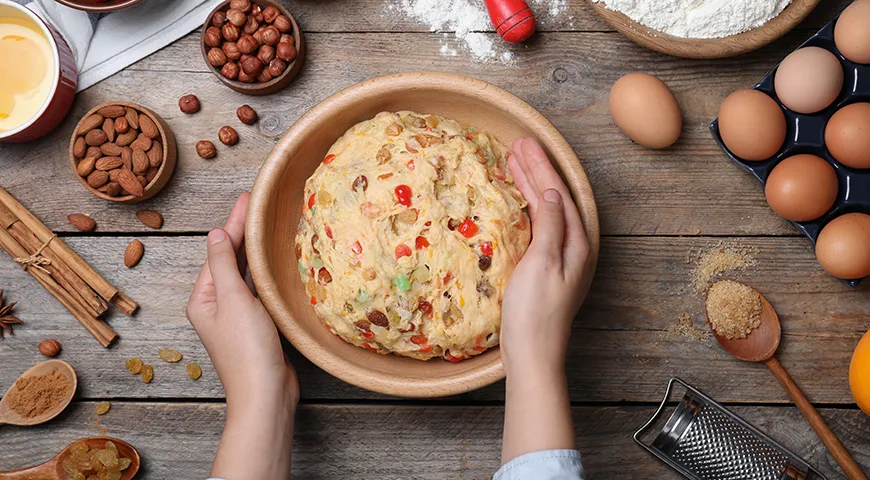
809, 80
852, 34
843, 246
752, 125
801, 188
644, 109
847, 135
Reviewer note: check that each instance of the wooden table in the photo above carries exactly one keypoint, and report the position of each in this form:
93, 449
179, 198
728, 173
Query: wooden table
655, 207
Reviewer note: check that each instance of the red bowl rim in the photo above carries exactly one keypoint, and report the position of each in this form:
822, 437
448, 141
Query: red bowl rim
113, 7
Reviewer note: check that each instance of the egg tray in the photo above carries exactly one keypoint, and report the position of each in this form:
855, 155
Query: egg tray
806, 134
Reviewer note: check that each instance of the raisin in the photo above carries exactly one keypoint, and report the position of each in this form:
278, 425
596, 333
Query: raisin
452, 224
363, 325
394, 129
314, 240
298, 252
147, 373
134, 365
418, 122
103, 408
194, 371
424, 306
484, 288
369, 273
169, 355
361, 183
378, 318
383, 155
323, 276
484, 263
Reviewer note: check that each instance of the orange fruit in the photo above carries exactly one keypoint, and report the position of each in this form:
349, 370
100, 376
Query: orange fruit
859, 374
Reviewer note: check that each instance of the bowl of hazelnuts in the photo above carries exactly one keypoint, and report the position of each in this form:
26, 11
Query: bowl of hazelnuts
253, 46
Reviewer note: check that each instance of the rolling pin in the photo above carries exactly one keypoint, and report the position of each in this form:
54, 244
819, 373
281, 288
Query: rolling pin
512, 19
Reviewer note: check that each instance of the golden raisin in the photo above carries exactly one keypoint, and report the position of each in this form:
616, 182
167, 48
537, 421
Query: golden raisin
169, 355
103, 408
134, 366
194, 371
147, 373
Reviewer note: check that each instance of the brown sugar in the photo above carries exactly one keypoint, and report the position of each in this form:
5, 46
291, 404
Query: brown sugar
34, 395
733, 308
685, 327
719, 259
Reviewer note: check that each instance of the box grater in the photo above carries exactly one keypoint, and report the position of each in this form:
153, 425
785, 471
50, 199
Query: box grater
704, 441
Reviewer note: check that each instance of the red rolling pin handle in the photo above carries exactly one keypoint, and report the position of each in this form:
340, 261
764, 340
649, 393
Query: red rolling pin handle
512, 19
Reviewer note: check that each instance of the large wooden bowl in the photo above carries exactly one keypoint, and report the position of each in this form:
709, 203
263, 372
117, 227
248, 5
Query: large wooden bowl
276, 205
731, 46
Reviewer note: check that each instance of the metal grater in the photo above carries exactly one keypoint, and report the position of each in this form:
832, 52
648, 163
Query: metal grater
704, 441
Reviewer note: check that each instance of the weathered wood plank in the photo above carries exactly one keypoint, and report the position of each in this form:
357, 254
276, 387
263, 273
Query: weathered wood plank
619, 351
178, 440
687, 190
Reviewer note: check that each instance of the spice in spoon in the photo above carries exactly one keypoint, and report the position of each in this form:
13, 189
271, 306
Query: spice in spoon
734, 309
34, 395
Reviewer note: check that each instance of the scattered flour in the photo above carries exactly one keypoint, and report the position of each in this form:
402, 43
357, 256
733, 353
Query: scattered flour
699, 18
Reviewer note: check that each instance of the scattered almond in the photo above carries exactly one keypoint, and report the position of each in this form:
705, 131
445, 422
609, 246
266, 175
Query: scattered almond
134, 253
83, 223
150, 218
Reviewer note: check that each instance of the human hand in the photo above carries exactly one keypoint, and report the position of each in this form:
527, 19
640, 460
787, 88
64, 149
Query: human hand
244, 346
542, 295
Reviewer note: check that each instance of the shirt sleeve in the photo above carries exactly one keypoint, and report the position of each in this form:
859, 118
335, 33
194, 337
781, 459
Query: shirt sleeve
545, 465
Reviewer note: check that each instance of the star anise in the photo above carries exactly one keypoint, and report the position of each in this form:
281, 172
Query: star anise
6, 317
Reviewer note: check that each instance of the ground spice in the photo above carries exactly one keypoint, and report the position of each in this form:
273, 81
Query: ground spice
733, 308
720, 259
34, 395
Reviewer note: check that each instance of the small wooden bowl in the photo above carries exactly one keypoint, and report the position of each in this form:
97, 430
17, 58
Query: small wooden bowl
99, 7
272, 86
170, 155
275, 207
702, 48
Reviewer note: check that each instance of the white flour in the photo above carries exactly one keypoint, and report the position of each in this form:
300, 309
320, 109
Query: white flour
469, 21
699, 18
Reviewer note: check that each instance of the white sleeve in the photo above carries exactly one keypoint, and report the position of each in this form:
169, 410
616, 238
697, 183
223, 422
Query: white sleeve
544, 465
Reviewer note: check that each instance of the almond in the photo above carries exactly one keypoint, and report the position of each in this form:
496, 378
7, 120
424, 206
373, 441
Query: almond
127, 157
94, 152
108, 163
95, 138
152, 174
111, 149
109, 129
113, 174
126, 139
155, 155
83, 223
112, 111
148, 127
90, 122
98, 178
142, 142
133, 254
132, 117
86, 166
130, 183
79, 147
142, 180
150, 218
113, 189
140, 161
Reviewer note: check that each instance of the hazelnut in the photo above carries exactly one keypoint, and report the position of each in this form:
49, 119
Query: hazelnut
122, 125
271, 35
257, 12
189, 103
216, 57
231, 50
252, 66
247, 44
277, 67
287, 38
251, 25
49, 348
230, 31
219, 19
228, 135
231, 70
282, 23
212, 37
264, 76
270, 13
285, 52
205, 149
236, 17
247, 115
258, 36
266, 54
244, 77
243, 5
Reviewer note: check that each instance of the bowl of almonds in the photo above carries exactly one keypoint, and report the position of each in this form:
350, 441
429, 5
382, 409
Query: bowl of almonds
255, 47
123, 152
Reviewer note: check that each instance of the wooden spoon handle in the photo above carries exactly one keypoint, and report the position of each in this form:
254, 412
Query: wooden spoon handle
38, 472
838, 451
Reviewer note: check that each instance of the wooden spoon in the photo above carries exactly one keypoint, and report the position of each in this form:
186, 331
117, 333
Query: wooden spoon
9, 416
53, 469
760, 346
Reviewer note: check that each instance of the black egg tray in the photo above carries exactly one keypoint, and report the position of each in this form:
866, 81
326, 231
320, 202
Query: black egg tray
806, 134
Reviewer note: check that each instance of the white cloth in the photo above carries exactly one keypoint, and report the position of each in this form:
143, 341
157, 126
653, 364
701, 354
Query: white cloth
106, 44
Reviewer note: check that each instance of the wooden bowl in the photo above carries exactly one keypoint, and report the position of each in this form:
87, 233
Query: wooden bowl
272, 86
708, 47
276, 202
164, 173
101, 6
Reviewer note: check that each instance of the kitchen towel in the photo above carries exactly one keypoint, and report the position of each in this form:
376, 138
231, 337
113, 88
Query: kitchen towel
104, 44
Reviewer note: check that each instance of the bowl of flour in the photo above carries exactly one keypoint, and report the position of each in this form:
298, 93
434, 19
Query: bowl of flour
704, 28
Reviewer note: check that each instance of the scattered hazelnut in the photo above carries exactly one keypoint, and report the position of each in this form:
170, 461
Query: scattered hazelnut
236, 17
270, 13
277, 67
216, 57
247, 115
228, 135
122, 125
49, 348
205, 149
287, 38
266, 54
252, 66
285, 52
212, 37
243, 5
247, 44
231, 50
189, 103
230, 70
219, 19
271, 35
264, 76
282, 23
230, 32
251, 25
